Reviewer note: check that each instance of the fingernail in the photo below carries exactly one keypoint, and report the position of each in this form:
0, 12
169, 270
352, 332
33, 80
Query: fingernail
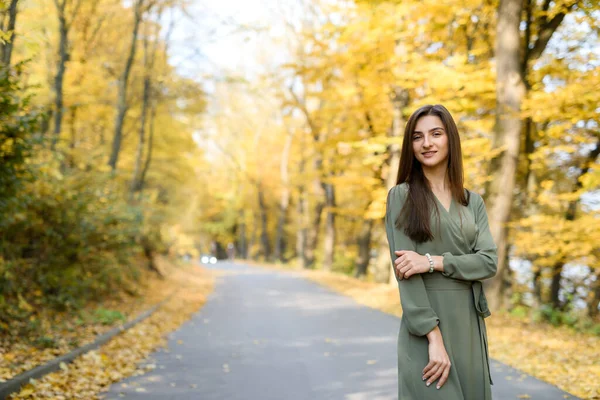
428, 383
423, 378
438, 387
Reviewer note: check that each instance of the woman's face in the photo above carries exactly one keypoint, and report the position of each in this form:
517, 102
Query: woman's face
430, 141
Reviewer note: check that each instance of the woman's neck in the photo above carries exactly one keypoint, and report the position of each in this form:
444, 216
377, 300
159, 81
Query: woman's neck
438, 178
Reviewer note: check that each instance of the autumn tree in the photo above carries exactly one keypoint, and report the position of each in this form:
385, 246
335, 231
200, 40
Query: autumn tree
8, 16
71, 234
516, 52
66, 12
139, 9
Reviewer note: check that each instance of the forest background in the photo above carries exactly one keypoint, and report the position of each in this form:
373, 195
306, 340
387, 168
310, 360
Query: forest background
112, 152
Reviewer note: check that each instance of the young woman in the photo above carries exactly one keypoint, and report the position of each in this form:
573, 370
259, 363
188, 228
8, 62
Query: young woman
441, 247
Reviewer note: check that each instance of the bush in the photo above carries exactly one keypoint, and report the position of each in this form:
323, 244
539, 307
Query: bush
66, 235
344, 261
576, 319
72, 243
19, 123
520, 311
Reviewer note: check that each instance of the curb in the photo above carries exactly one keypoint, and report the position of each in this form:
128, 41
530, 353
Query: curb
15, 384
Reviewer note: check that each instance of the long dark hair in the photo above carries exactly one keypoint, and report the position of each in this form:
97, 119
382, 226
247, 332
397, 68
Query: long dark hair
415, 215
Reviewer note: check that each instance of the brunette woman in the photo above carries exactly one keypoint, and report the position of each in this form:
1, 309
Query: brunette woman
441, 247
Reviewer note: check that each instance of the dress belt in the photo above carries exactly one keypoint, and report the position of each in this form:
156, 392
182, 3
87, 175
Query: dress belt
481, 304
483, 311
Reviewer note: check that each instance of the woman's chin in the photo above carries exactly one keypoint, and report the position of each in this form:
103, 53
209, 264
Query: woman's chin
429, 163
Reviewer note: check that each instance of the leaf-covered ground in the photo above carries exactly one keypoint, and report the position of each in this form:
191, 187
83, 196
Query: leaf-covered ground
45, 334
560, 356
95, 371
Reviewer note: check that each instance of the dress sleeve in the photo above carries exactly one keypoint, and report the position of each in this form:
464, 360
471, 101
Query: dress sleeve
417, 312
483, 263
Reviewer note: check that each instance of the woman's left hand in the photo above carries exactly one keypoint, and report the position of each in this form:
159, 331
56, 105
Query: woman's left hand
410, 263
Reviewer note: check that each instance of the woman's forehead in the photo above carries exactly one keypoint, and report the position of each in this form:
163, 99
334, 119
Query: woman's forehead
428, 122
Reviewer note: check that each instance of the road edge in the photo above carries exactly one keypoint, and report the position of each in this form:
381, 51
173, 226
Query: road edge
13, 385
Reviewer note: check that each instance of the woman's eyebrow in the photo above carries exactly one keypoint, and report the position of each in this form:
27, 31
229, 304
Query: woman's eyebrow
431, 130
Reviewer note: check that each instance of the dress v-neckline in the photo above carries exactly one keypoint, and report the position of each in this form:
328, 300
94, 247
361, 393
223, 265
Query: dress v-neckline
442, 204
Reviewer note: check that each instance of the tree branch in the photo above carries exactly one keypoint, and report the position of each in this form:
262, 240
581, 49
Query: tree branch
546, 31
546, 7
74, 13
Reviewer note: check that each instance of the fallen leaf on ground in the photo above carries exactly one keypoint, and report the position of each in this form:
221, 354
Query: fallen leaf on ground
92, 373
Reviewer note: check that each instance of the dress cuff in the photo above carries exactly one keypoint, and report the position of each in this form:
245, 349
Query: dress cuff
420, 321
448, 263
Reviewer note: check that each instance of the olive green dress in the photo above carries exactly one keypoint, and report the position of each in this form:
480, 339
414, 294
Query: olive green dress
452, 299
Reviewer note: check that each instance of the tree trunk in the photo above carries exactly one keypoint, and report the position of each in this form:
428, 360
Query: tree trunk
364, 248
142, 180
570, 215
153, 101
73, 141
317, 212
311, 229
555, 285
122, 96
594, 298
510, 90
149, 254
136, 179
511, 86
280, 238
264, 234
537, 287
302, 232
70, 157
329, 250
528, 184
6, 48
253, 254
242, 239
285, 200
63, 57
46, 119
140, 169
303, 217
383, 266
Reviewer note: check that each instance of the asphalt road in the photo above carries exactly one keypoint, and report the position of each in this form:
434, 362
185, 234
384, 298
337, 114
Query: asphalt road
268, 335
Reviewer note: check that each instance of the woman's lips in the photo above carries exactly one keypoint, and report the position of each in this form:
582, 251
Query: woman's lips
429, 154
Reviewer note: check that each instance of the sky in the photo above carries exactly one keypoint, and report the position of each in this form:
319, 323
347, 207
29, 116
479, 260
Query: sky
219, 37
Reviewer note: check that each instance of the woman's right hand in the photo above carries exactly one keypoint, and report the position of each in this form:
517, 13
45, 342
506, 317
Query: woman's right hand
439, 362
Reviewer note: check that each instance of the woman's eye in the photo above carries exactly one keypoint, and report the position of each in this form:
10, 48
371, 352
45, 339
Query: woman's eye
416, 137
